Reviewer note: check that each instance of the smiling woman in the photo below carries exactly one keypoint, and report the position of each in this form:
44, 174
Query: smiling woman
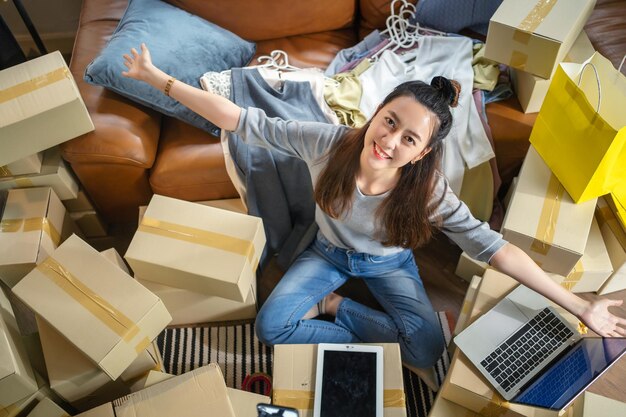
379, 194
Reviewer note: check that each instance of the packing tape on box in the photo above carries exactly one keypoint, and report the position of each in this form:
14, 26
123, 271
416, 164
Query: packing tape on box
30, 225
5, 171
525, 29
114, 319
33, 84
573, 277
201, 237
546, 227
303, 400
497, 406
606, 216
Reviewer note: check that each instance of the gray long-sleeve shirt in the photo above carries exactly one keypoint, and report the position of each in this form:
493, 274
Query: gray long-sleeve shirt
355, 230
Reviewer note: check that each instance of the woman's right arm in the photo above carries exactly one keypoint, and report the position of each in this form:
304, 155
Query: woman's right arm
218, 110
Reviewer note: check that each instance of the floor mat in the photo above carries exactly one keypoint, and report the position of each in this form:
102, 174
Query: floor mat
239, 353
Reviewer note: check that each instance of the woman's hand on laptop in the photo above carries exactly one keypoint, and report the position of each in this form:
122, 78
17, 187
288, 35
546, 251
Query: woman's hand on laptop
599, 319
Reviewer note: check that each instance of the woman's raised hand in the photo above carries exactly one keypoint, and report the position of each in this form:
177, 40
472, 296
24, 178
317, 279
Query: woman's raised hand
139, 64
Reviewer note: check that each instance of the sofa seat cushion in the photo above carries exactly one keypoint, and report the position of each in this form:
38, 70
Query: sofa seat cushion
312, 50
190, 164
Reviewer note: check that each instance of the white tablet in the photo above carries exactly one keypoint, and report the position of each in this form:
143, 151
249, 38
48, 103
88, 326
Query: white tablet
348, 381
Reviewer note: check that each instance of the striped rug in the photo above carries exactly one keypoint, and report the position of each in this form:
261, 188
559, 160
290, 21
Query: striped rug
239, 353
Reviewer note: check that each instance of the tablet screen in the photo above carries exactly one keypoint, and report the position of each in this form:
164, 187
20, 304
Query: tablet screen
348, 384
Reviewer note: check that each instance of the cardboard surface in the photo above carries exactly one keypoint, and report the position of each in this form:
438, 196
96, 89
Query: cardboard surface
294, 378
594, 267
32, 227
90, 223
535, 36
47, 408
467, 268
54, 173
531, 90
28, 165
26, 404
593, 405
17, 379
198, 248
615, 241
80, 203
41, 107
113, 317
446, 408
544, 221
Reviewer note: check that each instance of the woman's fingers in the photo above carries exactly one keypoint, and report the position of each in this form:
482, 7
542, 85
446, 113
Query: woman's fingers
134, 52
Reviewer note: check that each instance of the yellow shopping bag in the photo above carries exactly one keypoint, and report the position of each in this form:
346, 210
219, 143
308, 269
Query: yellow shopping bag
580, 131
618, 203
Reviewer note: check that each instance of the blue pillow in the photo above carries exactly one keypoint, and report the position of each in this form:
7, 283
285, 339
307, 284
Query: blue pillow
181, 44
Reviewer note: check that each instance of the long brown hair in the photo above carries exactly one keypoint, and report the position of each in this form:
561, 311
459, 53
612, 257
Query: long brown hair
406, 214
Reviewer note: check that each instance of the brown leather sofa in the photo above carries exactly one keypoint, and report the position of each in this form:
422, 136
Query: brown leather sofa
135, 152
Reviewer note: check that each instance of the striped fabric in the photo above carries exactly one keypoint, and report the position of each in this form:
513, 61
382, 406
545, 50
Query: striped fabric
239, 353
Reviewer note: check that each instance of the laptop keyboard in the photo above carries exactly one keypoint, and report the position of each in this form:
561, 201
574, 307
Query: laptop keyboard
511, 361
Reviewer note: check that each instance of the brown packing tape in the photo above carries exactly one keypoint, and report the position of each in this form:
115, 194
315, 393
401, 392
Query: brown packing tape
607, 216
5, 171
303, 400
572, 279
546, 227
536, 15
33, 84
522, 37
496, 407
114, 319
23, 182
518, 59
29, 225
201, 237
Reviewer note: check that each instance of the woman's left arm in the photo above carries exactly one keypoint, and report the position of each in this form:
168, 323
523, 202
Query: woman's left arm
514, 262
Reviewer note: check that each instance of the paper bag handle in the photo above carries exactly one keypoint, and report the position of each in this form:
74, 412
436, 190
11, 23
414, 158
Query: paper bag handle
580, 76
619, 69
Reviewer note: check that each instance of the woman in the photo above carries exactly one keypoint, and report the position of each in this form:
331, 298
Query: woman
379, 194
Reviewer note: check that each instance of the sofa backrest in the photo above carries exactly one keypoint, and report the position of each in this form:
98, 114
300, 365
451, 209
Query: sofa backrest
269, 19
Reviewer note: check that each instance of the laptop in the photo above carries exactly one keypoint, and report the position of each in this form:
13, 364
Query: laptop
532, 355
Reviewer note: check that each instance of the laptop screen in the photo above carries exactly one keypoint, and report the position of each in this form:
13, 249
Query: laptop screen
563, 380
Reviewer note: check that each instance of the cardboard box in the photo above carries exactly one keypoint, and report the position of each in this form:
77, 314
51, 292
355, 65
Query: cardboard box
113, 318
294, 378
28, 165
32, 227
47, 408
468, 305
464, 384
41, 107
230, 204
594, 267
28, 403
112, 256
54, 173
17, 379
509, 193
445, 408
243, 402
467, 268
531, 90
544, 221
77, 380
80, 203
198, 248
90, 223
615, 241
201, 392
593, 405
534, 36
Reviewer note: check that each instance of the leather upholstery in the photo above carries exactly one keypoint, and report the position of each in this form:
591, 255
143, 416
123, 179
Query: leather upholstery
135, 151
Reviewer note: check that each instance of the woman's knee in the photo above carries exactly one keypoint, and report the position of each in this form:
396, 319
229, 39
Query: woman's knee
424, 346
270, 327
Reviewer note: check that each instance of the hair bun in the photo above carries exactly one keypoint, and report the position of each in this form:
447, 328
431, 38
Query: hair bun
449, 89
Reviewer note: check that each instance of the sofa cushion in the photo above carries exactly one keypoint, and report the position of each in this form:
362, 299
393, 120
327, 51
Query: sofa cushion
183, 45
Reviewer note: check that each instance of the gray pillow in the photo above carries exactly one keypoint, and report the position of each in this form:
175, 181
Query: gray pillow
455, 15
181, 44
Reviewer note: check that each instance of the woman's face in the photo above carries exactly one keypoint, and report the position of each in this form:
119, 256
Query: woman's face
399, 133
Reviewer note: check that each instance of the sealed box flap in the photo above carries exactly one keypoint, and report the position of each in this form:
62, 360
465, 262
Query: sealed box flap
201, 392
34, 87
48, 408
244, 402
544, 211
106, 305
113, 256
552, 19
26, 217
184, 236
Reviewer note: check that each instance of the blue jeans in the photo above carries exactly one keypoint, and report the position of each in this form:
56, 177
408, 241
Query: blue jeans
409, 318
